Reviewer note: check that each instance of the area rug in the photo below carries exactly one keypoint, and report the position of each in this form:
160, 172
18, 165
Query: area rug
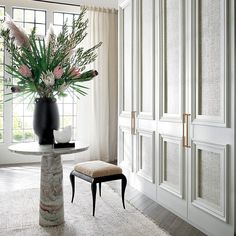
19, 215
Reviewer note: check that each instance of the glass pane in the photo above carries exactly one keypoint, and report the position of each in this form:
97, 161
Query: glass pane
1, 122
40, 29
61, 122
29, 135
58, 18
18, 14
40, 17
1, 13
68, 109
69, 19
68, 99
57, 29
1, 109
17, 122
68, 120
28, 109
18, 109
1, 71
17, 99
28, 122
29, 27
60, 108
1, 97
1, 136
29, 16
18, 135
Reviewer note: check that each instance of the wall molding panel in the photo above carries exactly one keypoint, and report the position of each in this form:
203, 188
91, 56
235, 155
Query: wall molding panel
205, 69
125, 51
173, 181
212, 168
146, 157
171, 59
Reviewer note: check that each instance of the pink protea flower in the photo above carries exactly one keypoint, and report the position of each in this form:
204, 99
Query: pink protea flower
25, 71
58, 72
75, 72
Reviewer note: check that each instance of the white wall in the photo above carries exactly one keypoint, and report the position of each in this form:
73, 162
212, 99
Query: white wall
100, 3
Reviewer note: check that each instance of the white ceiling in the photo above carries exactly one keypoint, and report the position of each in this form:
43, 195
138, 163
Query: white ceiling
101, 3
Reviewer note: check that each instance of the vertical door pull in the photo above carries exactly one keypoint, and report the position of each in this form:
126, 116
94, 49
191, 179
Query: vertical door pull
133, 122
185, 139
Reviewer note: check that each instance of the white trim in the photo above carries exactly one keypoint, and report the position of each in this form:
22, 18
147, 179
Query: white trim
222, 120
140, 113
221, 211
163, 116
121, 160
140, 172
122, 7
165, 184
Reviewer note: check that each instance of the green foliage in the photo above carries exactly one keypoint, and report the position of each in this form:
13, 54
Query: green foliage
43, 56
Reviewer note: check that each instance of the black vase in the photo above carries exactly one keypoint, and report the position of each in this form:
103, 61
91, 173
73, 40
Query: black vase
46, 119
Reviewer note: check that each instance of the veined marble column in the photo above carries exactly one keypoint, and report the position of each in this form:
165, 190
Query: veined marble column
51, 212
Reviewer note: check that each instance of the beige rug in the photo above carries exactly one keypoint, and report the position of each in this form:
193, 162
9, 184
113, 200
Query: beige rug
19, 215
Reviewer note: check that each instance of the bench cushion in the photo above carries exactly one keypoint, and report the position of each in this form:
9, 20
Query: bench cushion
97, 169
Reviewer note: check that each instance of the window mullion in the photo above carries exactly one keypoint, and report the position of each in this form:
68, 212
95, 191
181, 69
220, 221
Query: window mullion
7, 111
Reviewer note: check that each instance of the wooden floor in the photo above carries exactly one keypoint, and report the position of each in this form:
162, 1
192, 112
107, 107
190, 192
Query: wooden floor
160, 215
20, 177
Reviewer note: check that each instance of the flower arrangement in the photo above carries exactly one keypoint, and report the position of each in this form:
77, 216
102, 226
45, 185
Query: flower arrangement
51, 66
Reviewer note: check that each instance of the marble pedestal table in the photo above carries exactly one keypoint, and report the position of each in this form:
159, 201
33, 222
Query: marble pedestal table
51, 212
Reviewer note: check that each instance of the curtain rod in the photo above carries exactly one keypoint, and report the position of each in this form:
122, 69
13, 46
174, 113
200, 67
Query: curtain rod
60, 3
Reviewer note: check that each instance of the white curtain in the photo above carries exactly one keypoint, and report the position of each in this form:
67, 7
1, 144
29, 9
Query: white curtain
97, 112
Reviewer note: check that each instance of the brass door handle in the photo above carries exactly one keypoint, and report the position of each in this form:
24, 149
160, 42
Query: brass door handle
185, 139
133, 122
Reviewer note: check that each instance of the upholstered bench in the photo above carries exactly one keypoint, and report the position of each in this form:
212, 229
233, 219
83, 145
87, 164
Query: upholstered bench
97, 172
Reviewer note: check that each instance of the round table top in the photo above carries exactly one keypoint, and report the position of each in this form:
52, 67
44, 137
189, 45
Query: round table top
33, 148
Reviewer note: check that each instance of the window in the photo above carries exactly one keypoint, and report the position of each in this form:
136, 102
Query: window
1, 78
59, 18
23, 112
67, 105
28, 18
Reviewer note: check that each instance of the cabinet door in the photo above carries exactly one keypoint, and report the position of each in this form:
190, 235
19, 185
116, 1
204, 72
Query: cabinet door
211, 203
137, 94
126, 86
171, 190
145, 103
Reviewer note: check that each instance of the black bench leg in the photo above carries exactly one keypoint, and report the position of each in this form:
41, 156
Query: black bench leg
94, 190
123, 186
72, 180
100, 189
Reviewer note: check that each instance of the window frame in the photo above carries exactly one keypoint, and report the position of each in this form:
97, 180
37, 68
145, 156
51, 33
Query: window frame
49, 8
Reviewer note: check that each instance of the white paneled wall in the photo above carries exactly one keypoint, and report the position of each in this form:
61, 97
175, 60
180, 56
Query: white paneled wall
176, 106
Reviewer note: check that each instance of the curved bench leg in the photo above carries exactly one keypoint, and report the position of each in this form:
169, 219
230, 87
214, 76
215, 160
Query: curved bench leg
94, 191
100, 189
72, 180
123, 186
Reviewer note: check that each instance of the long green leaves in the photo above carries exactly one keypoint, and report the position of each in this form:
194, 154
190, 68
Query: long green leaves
59, 60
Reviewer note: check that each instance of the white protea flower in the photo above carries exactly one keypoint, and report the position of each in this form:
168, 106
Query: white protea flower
16, 32
48, 78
